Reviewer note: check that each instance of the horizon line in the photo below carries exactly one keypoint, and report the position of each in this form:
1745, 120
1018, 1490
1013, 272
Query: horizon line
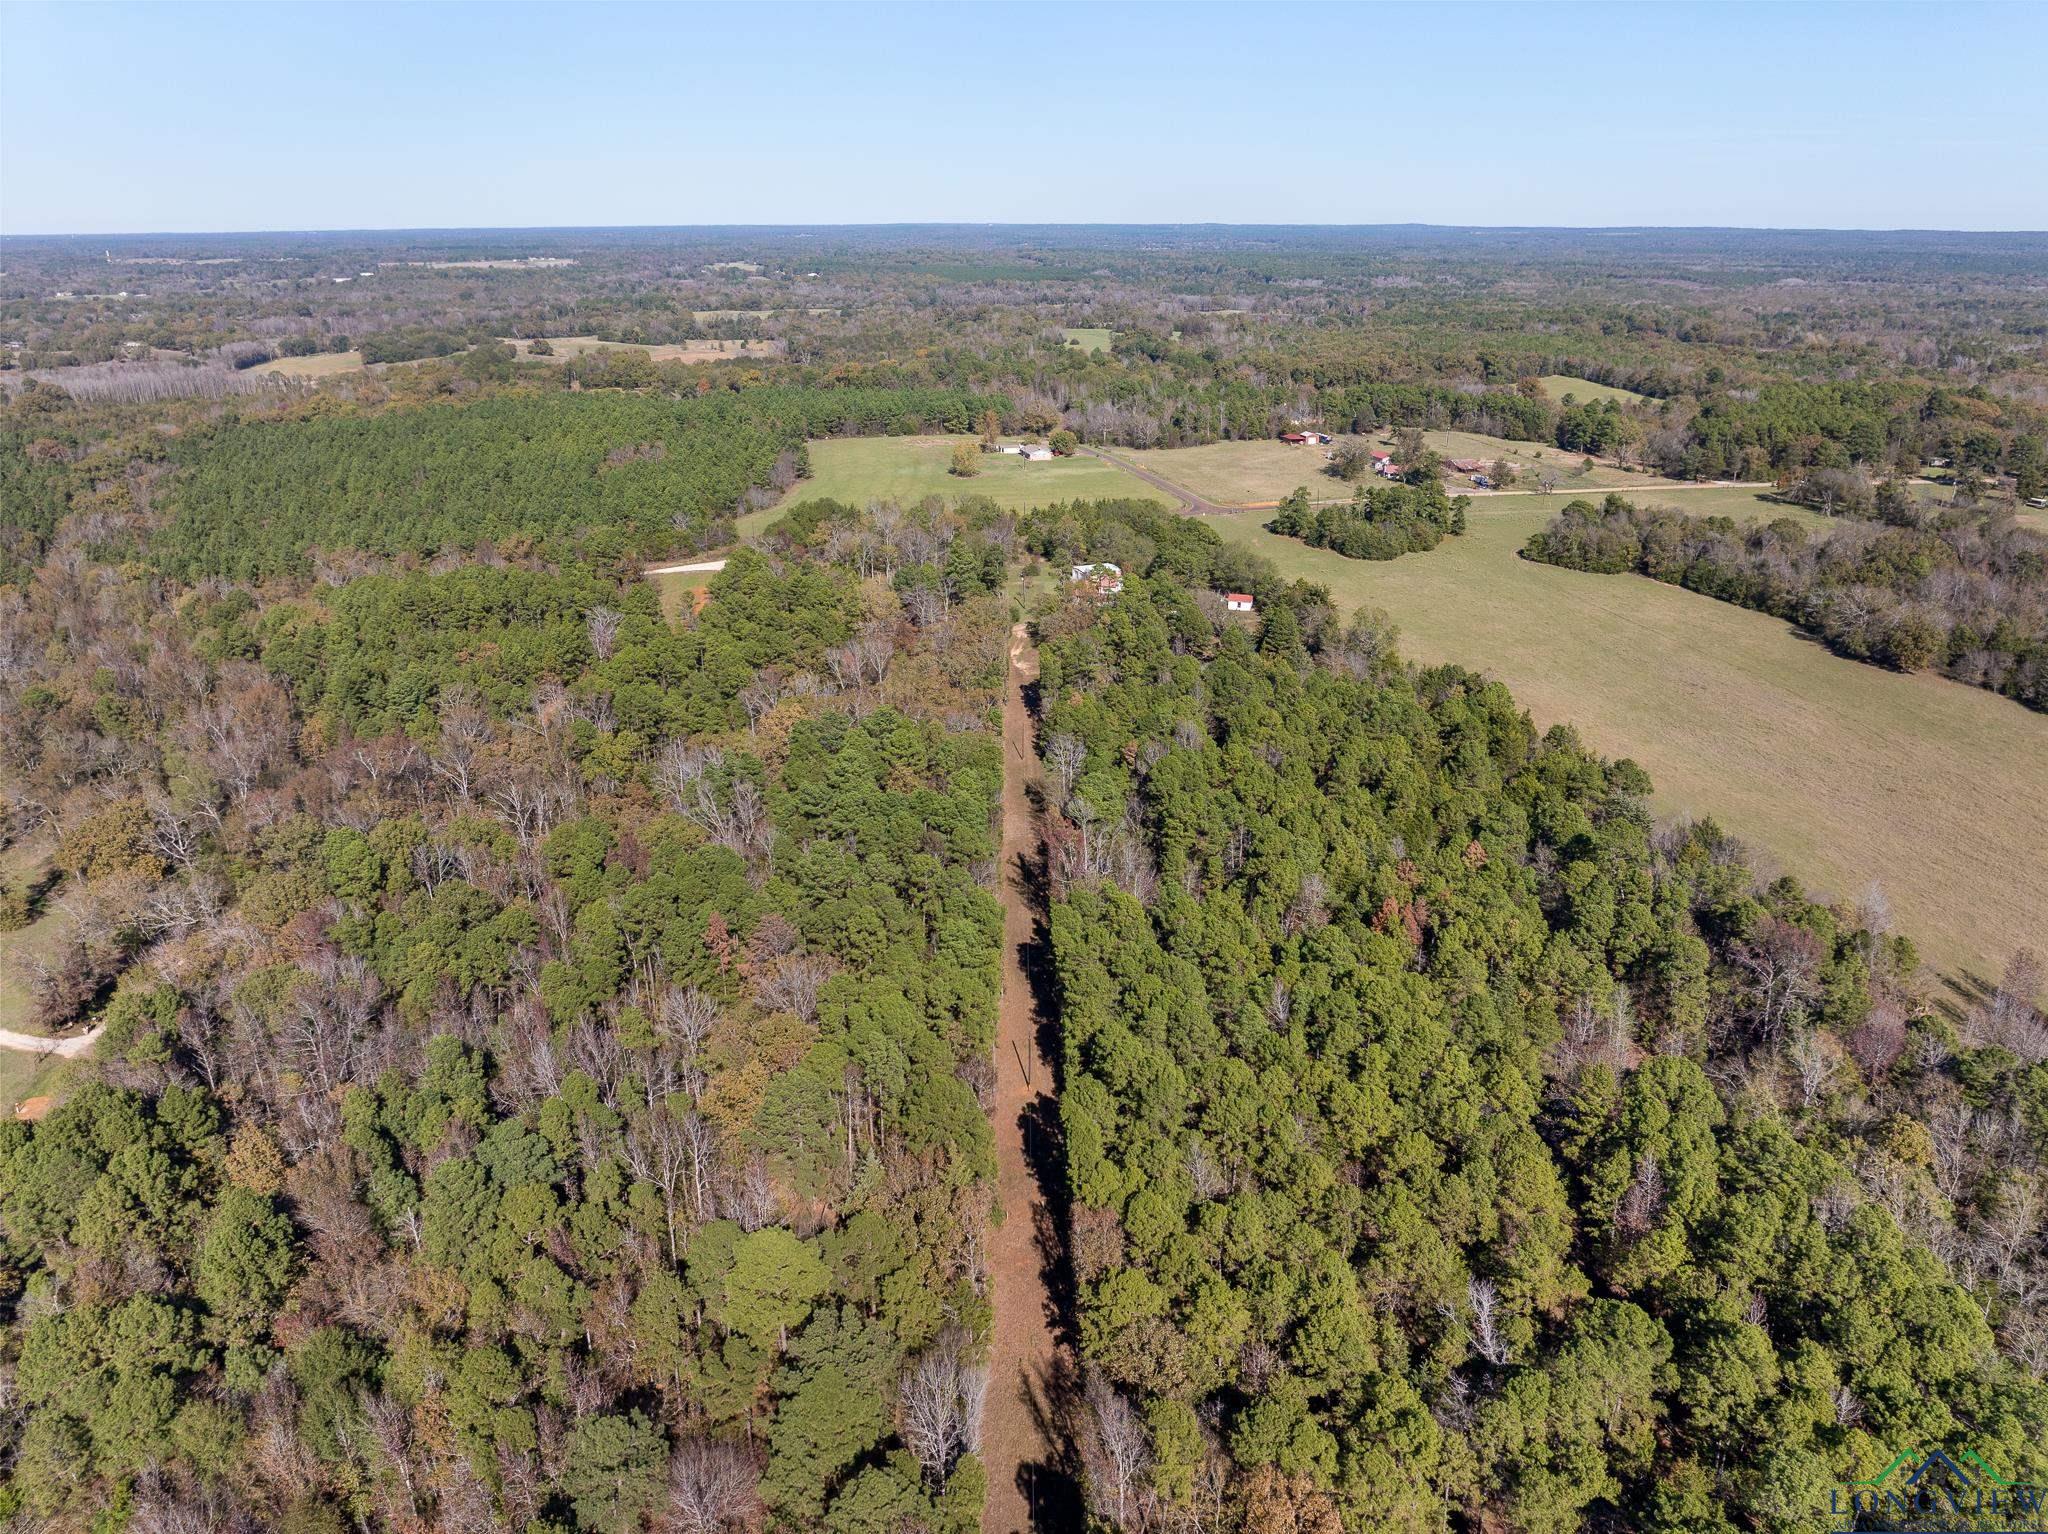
1000, 224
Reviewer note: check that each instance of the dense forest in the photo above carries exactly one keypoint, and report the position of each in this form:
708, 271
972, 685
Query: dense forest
1967, 595
668, 473
550, 1095
546, 1072
1447, 1146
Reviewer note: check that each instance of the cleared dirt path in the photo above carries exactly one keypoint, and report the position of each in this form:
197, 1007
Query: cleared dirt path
1191, 503
1028, 1455
39, 1044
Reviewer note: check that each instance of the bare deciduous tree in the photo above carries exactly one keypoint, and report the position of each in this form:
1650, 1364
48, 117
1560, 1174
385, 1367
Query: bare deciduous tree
1118, 1451
940, 1401
1487, 1341
711, 1489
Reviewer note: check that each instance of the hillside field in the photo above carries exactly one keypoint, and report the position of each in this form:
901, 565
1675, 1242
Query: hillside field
1583, 390
907, 469
1836, 770
1090, 338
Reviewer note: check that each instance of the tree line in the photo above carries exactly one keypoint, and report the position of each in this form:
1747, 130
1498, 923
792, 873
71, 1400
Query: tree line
1966, 595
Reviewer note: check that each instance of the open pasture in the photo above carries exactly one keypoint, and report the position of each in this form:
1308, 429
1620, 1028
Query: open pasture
685, 351
1258, 471
1584, 391
1839, 772
907, 469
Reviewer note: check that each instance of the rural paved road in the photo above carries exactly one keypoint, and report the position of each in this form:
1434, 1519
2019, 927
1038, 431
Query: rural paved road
1031, 1489
37, 1044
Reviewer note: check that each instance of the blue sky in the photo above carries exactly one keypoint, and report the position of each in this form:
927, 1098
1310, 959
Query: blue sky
171, 117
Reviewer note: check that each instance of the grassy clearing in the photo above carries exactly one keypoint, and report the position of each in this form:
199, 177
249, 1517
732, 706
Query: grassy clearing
1838, 771
1262, 470
1535, 457
1235, 473
41, 940
566, 347
678, 591
1090, 338
24, 1075
20, 866
907, 469
1583, 390
319, 365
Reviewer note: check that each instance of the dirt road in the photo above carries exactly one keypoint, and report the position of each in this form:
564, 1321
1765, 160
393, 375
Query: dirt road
38, 1044
1188, 501
1031, 1486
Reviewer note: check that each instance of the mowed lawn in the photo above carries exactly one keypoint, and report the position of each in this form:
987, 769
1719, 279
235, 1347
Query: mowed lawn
1240, 473
1090, 338
1835, 771
1583, 390
907, 469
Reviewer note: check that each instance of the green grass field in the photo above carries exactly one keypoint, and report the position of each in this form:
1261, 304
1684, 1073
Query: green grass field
1090, 338
22, 865
25, 1075
907, 469
1234, 473
1836, 771
43, 938
1557, 385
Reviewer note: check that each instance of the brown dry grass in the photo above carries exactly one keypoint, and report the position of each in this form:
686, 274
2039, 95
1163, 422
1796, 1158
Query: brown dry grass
1264, 470
687, 351
320, 365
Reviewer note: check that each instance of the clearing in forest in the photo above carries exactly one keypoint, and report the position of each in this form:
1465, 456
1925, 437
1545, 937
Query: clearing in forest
907, 469
319, 365
1584, 391
1840, 772
1259, 471
700, 350
1025, 1447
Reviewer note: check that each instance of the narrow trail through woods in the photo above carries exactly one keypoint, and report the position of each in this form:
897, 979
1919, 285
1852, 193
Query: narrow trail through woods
1032, 1488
